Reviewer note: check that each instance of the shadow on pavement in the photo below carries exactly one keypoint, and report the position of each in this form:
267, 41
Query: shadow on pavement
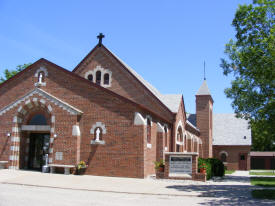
238, 193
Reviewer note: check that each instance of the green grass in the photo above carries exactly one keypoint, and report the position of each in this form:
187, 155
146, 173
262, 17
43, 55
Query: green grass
264, 194
263, 181
229, 172
262, 173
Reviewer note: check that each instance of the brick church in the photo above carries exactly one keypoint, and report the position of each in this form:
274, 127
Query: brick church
105, 114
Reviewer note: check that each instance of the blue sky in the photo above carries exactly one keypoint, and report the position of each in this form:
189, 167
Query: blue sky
164, 41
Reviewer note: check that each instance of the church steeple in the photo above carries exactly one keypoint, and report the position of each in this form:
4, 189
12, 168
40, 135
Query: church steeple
204, 117
204, 90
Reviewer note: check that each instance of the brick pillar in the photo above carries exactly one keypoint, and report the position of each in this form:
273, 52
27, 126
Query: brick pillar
189, 145
15, 146
160, 143
204, 113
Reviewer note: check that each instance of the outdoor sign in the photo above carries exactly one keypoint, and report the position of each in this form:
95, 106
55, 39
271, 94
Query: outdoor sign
180, 166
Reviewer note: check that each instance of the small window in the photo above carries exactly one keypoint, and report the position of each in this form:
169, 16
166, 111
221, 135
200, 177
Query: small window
244, 137
106, 79
148, 130
223, 157
98, 77
38, 119
90, 77
242, 157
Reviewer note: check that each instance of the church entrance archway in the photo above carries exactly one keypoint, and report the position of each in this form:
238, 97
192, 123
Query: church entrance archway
35, 144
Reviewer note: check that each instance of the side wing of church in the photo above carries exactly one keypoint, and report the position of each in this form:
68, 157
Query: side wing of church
102, 113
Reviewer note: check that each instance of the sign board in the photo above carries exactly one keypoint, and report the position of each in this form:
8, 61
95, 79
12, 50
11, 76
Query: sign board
180, 166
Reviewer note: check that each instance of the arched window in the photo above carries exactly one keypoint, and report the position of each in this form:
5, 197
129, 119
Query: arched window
38, 119
179, 135
106, 79
148, 130
98, 77
165, 137
90, 77
179, 139
223, 157
98, 134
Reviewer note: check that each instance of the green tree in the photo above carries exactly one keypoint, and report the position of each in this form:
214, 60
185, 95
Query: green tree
251, 60
10, 73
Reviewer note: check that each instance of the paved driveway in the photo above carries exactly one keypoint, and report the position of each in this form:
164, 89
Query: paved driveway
232, 190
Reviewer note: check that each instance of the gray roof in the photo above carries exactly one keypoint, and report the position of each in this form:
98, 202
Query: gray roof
230, 130
192, 119
171, 101
204, 90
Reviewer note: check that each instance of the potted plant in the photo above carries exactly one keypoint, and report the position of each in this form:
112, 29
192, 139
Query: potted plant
159, 165
81, 168
203, 168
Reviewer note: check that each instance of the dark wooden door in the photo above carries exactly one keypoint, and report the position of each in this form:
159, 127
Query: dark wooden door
242, 161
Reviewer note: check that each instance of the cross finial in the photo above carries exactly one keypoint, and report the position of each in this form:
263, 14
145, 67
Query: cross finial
100, 37
204, 70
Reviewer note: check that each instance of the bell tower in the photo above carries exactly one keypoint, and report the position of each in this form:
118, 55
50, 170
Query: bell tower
204, 118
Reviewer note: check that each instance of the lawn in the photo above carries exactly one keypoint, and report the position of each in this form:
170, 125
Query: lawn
229, 172
268, 173
263, 181
264, 194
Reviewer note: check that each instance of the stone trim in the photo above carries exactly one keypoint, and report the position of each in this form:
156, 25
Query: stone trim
76, 130
138, 119
149, 145
160, 128
223, 152
36, 128
98, 142
65, 106
98, 124
103, 72
41, 69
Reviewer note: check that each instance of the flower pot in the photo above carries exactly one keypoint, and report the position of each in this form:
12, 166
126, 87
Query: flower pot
80, 171
202, 170
161, 169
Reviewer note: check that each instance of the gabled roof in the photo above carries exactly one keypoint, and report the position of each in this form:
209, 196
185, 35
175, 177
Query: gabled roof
171, 104
230, 130
172, 101
42, 60
204, 90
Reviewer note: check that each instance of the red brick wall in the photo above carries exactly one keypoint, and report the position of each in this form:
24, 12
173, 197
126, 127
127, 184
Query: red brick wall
125, 152
233, 155
204, 104
123, 82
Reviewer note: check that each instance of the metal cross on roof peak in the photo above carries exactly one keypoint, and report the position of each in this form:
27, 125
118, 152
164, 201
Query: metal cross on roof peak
100, 37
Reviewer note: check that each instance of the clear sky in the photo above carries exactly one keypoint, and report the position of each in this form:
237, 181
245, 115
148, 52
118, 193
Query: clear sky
165, 41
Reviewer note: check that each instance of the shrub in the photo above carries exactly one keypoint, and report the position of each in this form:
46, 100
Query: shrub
214, 167
159, 164
217, 166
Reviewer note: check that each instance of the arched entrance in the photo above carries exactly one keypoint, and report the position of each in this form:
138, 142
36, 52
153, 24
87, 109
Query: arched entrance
35, 139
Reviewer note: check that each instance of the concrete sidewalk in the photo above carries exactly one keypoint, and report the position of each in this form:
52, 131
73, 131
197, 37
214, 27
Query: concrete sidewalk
150, 186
